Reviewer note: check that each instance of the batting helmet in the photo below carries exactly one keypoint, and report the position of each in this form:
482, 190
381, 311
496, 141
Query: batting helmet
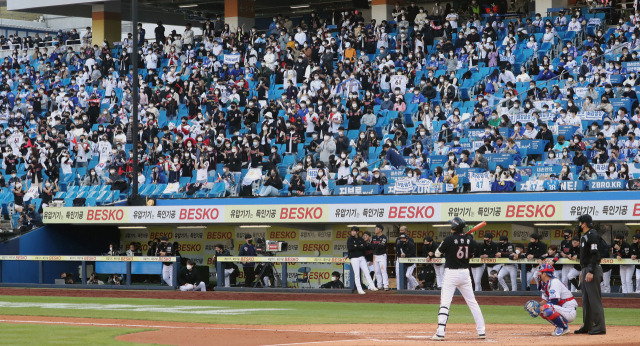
546, 268
458, 224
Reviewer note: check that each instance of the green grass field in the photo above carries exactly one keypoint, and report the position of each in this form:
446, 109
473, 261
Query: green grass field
31, 334
295, 313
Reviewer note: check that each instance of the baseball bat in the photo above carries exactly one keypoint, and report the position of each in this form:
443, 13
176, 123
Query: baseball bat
477, 227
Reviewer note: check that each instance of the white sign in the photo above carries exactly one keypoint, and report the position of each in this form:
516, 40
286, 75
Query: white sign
231, 59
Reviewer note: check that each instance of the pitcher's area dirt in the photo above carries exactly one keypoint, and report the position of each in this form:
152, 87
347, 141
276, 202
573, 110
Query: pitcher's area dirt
193, 334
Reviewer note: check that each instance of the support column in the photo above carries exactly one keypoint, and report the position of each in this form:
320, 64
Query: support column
238, 13
381, 10
106, 22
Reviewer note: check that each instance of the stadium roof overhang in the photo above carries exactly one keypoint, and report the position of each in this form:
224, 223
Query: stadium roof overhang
174, 12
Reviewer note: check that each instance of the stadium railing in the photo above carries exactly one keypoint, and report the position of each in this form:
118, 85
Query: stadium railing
127, 265
279, 260
522, 263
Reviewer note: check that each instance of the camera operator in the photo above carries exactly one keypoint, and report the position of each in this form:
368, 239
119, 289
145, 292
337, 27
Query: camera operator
248, 250
29, 219
167, 249
226, 266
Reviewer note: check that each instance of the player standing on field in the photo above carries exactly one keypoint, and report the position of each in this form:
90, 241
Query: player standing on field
457, 249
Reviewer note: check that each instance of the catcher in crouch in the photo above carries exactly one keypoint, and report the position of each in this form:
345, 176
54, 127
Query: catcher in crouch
557, 306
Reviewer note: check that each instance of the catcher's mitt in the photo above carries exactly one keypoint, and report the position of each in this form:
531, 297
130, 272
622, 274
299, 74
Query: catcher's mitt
533, 308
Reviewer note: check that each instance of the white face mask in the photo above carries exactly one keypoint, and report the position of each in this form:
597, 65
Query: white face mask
333, 278
189, 266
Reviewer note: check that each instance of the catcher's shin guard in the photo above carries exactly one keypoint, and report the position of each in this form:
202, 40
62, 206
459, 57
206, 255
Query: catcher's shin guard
550, 314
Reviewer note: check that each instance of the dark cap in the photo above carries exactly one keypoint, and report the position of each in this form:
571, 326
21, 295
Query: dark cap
336, 274
355, 228
586, 218
504, 238
428, 238
248, 236
636, 236
576, 238
488, 235
164, 238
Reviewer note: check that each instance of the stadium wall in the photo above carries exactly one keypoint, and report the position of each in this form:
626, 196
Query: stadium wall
53, 240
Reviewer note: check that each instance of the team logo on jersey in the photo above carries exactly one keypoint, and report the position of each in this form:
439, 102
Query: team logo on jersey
552, 291
455, 241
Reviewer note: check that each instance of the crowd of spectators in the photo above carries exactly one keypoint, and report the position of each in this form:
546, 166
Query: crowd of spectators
326, 101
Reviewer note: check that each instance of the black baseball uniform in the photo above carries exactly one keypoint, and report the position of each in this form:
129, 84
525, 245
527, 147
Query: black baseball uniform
379, 244
592, 310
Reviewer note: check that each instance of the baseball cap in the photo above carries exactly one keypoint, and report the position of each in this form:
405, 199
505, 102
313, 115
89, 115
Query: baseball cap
164, 238
504, 238
248, 236
488, 235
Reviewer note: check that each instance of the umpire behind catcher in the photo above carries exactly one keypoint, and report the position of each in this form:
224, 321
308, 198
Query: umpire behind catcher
590, 278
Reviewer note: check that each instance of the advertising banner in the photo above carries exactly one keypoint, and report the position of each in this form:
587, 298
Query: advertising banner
347, 212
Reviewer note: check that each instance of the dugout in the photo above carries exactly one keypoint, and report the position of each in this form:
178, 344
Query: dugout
313, 226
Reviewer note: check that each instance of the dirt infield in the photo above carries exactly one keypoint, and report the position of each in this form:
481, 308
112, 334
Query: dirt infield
370, 297
193, 334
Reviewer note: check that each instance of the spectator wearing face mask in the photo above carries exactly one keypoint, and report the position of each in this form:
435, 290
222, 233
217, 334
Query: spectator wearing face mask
320, 183
272, 185
92, 178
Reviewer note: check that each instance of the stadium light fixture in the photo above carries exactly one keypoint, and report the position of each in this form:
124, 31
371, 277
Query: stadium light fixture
551, 224
132, 227
632, 224
361, 225
299, 6
188, 6
255, 226
191, 227
442, 225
